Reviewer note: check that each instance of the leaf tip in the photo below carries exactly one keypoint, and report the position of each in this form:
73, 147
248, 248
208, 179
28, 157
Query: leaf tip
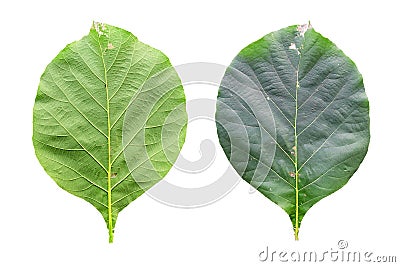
302, 28
99, 27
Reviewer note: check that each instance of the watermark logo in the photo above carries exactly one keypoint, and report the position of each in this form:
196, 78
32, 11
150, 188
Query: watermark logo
341, 253
342, 244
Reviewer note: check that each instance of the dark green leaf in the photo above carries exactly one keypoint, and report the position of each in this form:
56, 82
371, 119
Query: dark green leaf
293, 118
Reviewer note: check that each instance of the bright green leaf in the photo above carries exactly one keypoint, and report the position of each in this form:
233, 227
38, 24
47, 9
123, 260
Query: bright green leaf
109, 119
293, 118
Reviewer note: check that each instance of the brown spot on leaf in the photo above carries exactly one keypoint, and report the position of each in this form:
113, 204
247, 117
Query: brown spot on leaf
110, 46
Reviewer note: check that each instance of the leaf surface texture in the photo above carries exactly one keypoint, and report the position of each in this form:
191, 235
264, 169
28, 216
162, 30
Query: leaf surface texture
293, 118
99, 117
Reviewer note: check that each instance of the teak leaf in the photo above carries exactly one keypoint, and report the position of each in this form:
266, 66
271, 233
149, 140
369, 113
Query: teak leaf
109, 119
293, 118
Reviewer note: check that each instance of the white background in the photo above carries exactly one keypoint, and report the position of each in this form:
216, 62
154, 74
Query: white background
42, 225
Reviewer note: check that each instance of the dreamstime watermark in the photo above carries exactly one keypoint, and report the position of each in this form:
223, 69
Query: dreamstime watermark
145, 162
341, 253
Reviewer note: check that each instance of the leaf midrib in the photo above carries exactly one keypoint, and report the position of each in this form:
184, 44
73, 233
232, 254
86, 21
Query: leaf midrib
295, 148
109, 198
296, 230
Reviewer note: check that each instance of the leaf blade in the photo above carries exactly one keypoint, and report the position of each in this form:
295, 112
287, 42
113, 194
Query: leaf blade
316, 96
79, 112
